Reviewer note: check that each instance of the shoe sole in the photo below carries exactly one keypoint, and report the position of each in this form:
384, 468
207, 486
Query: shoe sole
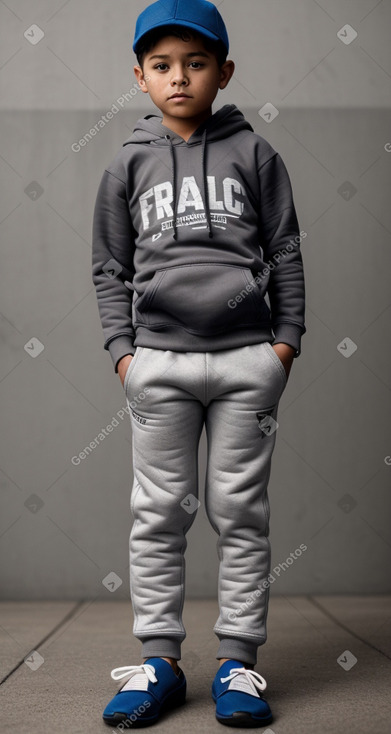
172, 701
243, 718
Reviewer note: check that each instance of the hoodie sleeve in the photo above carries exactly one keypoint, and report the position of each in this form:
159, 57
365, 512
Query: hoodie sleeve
112, 266
281, 246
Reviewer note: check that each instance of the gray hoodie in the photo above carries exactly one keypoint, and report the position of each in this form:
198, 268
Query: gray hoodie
190, 237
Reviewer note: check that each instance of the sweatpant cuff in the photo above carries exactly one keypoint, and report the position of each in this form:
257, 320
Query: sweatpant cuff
242, 650
157, 647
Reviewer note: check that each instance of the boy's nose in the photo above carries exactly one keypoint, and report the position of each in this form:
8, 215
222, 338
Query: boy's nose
179, 78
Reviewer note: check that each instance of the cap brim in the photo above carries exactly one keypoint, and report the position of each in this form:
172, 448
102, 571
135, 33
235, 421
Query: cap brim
183, 24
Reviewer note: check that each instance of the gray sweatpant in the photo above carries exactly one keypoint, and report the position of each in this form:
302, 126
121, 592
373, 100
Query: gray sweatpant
235, 392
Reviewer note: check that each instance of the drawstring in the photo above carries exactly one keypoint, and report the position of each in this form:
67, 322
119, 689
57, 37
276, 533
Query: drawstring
204, 180
168, 137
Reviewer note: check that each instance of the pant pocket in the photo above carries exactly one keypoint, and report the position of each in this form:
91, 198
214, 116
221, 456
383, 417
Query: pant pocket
276, 361
131, 366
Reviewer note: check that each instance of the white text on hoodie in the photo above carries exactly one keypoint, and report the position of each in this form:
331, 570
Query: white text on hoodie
190, 197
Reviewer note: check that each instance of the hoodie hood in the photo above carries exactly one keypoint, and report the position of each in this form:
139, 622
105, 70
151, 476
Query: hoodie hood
225, 122
149, 130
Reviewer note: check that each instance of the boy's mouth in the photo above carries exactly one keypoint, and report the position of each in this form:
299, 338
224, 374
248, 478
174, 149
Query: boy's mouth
179, 95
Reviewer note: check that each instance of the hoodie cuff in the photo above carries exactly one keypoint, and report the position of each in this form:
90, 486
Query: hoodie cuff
289, 334
120, 347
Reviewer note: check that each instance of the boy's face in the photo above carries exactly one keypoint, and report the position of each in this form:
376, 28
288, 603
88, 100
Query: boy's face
182, 78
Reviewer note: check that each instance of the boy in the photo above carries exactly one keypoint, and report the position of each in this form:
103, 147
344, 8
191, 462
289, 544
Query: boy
194, 224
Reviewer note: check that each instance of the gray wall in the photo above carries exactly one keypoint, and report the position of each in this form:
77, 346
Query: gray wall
63, 527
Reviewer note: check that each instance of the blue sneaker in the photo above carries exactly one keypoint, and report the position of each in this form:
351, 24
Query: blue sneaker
235, 690
147, 691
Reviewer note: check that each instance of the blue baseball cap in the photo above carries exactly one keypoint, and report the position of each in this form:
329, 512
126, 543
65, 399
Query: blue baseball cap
199, 15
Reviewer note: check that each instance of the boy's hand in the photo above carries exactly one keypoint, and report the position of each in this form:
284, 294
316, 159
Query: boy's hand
286, 354
123, 365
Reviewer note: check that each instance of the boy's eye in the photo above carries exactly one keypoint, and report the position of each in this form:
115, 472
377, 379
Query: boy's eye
193, 65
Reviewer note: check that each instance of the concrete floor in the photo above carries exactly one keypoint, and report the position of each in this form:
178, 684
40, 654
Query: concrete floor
65, 684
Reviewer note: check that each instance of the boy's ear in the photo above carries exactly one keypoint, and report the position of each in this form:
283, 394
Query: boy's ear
226, 73
140, 78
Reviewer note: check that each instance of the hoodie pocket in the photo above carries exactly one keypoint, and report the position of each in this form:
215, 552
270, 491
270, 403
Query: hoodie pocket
203, 298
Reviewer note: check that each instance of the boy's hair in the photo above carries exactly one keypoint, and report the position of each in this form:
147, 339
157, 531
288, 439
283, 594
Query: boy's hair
185, 34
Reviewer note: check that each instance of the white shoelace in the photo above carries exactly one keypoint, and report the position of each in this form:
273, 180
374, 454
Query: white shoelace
249, 684
138, 676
